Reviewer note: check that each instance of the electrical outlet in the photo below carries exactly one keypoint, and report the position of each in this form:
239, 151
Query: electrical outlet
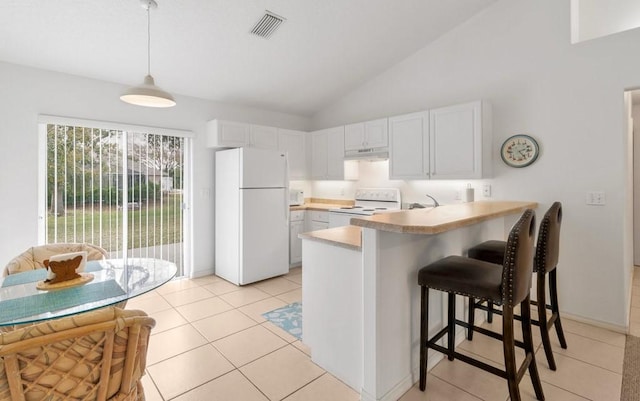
486, 190
458, 194
596, 198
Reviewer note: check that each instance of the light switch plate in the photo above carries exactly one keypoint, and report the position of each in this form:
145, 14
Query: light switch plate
596, 198
486, 190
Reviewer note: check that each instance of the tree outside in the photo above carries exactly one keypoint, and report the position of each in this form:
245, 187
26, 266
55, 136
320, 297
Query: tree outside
86, 191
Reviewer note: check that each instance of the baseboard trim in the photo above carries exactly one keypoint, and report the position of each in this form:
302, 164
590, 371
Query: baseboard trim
392, 395
597, 323
202, 273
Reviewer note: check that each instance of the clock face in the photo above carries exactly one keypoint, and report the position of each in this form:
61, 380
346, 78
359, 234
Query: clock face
519, 151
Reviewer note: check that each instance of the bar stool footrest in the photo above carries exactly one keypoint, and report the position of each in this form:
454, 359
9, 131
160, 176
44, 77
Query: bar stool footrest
552, 319
486, 332
479, 364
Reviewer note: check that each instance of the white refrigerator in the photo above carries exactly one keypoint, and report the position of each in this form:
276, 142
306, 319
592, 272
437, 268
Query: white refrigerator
251, 215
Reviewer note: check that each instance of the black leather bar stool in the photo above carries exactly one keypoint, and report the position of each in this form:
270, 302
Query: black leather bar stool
507, 285
545, 261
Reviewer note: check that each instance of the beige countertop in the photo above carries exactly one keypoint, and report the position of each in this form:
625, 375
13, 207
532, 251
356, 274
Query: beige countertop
316, 206
347, 237
442, 218
322, 204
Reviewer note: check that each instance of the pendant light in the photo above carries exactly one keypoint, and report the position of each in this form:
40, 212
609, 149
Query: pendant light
148, 94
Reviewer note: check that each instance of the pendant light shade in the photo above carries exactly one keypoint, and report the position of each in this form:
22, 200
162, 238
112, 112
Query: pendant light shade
148, 94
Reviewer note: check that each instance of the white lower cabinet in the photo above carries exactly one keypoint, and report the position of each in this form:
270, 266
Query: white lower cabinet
296, 226
318, 220
319, 225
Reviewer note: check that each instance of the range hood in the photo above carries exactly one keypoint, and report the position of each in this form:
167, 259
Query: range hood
370, 154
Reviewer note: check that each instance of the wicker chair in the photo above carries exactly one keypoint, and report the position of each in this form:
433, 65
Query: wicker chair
100, 355
34, 257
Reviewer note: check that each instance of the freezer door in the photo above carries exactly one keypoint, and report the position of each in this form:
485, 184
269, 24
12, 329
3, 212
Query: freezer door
262, 168
265, 234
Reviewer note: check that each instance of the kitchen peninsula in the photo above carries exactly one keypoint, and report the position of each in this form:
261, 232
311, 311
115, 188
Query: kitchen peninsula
362, 303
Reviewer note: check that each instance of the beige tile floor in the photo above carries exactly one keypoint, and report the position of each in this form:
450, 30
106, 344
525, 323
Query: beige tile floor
211, 343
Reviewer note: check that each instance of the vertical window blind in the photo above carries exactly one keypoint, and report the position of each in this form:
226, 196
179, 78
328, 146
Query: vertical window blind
120, 189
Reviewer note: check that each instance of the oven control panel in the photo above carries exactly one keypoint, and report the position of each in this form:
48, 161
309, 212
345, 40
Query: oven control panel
378, 194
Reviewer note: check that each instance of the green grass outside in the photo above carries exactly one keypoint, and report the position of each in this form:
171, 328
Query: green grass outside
148, 225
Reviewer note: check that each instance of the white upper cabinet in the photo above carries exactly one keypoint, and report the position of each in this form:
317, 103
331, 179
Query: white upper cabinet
327, 154
227, 134
444, 143
319, 153
335, 153
409, 146
367, 135
353, 136
231, 134
294, 144
460, 141
263, 137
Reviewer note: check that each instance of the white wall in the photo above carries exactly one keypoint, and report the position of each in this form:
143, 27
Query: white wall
27, 92
517, 55
597, 18
635, 114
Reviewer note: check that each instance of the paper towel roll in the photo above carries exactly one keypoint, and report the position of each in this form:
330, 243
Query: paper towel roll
469, 194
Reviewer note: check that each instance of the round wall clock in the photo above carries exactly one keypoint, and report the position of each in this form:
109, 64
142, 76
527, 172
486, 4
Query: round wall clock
519, 151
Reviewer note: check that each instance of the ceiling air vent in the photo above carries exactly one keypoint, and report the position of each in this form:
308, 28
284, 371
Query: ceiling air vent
267, 25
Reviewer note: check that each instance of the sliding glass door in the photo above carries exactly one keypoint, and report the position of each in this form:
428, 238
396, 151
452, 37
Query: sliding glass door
121, 189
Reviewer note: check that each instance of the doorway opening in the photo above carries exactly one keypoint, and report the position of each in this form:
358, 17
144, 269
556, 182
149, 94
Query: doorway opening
123, 189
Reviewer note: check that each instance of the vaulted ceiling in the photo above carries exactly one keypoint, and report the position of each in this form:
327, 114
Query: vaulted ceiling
203, 48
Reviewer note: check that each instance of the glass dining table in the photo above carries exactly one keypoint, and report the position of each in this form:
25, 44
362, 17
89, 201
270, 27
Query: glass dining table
114, 281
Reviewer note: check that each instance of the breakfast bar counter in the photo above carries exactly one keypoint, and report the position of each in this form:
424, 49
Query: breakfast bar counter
362, 306
436, 220
349, 237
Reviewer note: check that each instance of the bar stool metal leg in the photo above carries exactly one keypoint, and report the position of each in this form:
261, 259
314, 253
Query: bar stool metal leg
508, 345
424, 335
472, 317
490, 312
473, 305
555, 309
451, 332
542, 320
528, 346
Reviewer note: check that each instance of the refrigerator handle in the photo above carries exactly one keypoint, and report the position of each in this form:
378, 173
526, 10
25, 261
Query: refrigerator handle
286, 189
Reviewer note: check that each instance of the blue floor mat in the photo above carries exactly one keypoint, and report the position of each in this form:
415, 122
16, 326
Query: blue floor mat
288, 318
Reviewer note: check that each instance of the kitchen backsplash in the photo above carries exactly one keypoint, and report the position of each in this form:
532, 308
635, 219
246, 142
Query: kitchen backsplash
375, 174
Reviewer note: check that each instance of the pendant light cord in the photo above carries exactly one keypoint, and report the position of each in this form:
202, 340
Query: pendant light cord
149, 38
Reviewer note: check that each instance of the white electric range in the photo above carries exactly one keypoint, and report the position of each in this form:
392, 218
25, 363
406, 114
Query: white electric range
368, 201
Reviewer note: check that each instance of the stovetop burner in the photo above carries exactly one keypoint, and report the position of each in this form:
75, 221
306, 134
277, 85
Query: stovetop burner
369, 201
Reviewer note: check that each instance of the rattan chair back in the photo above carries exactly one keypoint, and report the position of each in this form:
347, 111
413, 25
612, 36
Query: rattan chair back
100, 355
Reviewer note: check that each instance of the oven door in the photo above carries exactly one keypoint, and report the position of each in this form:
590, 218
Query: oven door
338, 219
